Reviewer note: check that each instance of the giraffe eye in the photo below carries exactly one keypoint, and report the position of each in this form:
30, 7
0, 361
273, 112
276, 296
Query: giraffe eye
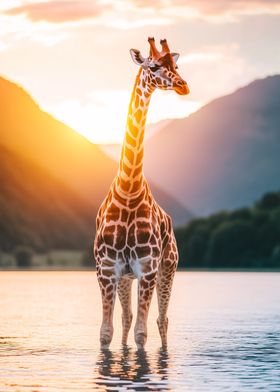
154, 68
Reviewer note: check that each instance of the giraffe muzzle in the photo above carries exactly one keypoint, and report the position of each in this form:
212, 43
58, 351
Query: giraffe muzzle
181, 88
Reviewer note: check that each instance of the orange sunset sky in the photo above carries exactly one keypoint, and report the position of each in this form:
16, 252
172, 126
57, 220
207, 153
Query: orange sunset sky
73, 56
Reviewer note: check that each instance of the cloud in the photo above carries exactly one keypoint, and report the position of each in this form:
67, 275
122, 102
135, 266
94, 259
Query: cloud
212, 8
59, 11
211, 11
126, 14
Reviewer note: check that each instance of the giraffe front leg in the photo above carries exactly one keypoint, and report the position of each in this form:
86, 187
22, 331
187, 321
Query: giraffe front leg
146, 285
124, 293
108, 284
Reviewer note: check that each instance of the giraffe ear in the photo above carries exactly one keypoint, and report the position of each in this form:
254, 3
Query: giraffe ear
137, 57
175, 57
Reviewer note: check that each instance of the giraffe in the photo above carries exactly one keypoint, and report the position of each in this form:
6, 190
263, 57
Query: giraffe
134, 235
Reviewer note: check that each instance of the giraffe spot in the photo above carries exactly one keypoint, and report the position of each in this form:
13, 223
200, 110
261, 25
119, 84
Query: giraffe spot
133, 130
146, 95
150, 276
143, 237
113, 213
131, 236
155, 251
138, 115
147, 295
120, 237
138, 91
108, 235
111, 253
143, 211
104, 281
107, 272
158, 80
124, 215
130, 140
144, 284
129, 154
126, 169
139, 156
136, 102
143, 229
141, 138
137, 171
146, 267
131, 217
110, 297
141, 102
153, 240
136, 185
143, 251
143, 83
125, 185
107, 263
167, 263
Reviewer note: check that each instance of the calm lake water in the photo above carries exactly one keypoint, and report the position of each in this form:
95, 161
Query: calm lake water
224, 335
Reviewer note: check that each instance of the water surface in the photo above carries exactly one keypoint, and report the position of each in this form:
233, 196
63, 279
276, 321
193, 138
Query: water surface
224, 335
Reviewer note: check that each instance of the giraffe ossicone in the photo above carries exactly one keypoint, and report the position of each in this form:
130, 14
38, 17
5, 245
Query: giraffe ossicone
134, 235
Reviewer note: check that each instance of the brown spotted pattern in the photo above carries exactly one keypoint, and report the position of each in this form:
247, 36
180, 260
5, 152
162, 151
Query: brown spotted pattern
134, 236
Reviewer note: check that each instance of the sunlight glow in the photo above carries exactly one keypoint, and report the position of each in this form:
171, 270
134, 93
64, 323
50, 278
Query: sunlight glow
102, 118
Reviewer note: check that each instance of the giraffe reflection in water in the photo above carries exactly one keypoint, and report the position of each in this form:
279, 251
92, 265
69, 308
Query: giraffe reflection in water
134, 370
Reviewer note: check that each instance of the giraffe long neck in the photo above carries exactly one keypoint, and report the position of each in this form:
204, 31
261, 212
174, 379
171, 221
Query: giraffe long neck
130, 175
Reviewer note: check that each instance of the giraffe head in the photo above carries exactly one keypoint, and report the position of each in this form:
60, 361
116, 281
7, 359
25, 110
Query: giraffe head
160, 68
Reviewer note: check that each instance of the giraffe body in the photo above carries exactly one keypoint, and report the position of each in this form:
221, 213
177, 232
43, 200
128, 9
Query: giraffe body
134, 236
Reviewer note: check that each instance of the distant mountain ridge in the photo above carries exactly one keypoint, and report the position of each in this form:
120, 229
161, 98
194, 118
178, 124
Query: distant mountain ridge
224, 156
38, 210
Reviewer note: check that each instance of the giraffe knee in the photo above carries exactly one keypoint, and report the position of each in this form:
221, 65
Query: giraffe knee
162, 323
127, 318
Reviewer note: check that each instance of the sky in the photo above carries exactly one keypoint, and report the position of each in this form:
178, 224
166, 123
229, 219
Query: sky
73, 57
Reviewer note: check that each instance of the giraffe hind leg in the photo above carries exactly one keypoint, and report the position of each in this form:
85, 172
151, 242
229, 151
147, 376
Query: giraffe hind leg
124, 293
107, 283
146, 285
164, 286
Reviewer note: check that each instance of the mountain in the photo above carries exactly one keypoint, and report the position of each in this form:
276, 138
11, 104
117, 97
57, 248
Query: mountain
224, 156
37, 135
38, 210
66, 155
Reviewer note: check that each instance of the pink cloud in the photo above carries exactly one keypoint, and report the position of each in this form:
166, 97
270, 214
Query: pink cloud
59, 11
213, 7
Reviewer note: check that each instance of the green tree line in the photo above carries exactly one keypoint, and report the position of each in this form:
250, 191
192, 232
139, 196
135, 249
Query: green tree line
244, 238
